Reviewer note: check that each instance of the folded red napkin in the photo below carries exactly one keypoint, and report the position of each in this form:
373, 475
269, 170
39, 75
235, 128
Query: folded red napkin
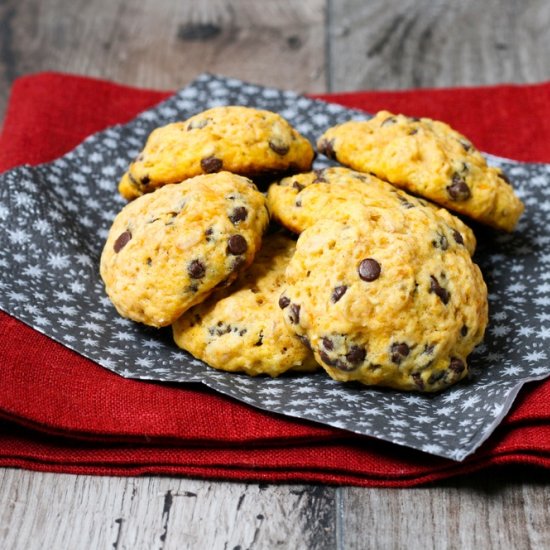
64, 413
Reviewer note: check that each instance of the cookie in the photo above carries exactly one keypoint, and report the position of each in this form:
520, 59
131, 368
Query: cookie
299, 201
427, 158
167, 250
240, 328
127, 188
242, 140
381, 305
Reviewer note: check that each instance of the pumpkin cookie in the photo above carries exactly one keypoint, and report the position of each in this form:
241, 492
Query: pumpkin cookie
427, 158
241, 328
382, 305
299, 201
241, 140
166, 251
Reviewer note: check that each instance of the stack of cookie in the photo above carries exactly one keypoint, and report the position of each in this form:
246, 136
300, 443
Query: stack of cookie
193, 231
379, 288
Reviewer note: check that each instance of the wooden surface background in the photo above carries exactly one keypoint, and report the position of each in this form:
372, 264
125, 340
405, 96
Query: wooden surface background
308, 46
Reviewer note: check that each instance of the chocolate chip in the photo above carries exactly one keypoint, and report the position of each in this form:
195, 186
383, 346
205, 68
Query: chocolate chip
457, 365
441, 292
326, 359
145, 180
298, 203
211, 164
458, 190
417, 378
170, 220
338, 292
388, 121
305, 341
196, 269
356, 355
458, 237
369, 270
208, 233
294, 314
297, 186
463, 331
283, 302
320, 176
428, 349
404, 202
122, 240
238, 215
327, 343
413, 131
436, 376
279, 147
504, 177
441, 242
326, 146
260, 340
399, 350
221, 329
237, 245
465, 144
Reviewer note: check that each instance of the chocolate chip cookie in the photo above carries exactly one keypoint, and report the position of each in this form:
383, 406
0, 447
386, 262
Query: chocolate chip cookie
381, 304
427, 158
166, 251
241, 140
299, 201
240, 328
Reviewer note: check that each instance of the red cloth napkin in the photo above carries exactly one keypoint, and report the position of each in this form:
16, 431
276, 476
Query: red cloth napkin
60, 412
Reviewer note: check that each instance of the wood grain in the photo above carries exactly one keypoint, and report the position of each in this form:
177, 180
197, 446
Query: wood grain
164, 44
78, 512
397, 44
507, 510
311, 45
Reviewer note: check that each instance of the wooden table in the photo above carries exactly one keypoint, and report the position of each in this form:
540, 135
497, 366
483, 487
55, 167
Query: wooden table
308, 46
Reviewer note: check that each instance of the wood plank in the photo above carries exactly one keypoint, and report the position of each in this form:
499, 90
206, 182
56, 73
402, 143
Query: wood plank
507, 510
81, 512
164, 44
38, 511
375, 44
396, 44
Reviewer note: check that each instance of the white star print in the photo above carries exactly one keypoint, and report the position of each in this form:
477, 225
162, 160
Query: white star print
535, 356
58, 261
18, 236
